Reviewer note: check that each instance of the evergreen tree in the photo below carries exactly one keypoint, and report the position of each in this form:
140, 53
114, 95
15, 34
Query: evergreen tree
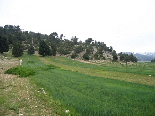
74, 40
86, 56
17, 50
78, 49
31, 50
74, 55
114, 54
4, 47
96, 56
89, 50
153, 60
43, 48
53, 49
127, 58
132, 58
115, 58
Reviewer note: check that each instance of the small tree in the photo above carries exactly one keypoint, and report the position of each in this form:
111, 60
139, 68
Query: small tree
74, 55
96, 56
127, 58
43, 48
78, 49
31, 50
86, 56
153, 60
132, 58
53, 49
4, 47
17, 50
115, 57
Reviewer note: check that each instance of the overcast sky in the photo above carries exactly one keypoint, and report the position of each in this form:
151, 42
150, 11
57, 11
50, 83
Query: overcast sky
126, 25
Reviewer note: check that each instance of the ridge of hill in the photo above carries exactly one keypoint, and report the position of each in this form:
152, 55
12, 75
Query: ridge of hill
54, 44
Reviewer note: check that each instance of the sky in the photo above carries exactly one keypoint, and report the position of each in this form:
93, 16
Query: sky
126, 25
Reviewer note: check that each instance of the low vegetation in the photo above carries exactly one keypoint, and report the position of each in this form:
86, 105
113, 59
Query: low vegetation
21, 71
62, 86
71, 83
21, 96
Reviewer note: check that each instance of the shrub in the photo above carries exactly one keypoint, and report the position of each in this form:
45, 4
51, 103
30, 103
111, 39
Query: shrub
31, 50
103, 58
115, 58
43, 48
96, 56
86, 56
21, 71
17, 50
153, 60
30, 61
74, 55
78, 49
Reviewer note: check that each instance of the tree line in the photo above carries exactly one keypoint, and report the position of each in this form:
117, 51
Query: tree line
153, 60
49, 45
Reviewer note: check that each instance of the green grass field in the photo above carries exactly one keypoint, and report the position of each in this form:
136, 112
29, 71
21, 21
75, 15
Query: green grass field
96, 90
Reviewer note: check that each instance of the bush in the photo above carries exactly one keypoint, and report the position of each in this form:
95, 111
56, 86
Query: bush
63, 51
43, 48
17, 50
21, 71
115, 58
74, 55
153, 60
78, 49
86, 56
31, 50
96, 56
103, 58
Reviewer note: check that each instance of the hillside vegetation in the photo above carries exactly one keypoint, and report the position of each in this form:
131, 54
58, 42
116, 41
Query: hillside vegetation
57, 45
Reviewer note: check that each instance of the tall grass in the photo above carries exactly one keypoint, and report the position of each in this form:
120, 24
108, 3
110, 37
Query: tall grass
113, 70
138, 68
92, 95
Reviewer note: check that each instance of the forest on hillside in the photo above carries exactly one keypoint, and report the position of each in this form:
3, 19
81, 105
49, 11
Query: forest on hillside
54, 44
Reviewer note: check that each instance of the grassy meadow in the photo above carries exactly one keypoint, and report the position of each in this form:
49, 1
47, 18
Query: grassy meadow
103, 89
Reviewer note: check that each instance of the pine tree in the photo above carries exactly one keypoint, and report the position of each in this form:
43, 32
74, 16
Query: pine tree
17, 50
43, 48
4, 47
31, 50
86, 56
53, 49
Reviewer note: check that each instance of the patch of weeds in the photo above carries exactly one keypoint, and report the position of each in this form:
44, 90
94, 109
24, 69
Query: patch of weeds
44, 68
21, 71
52, 66
101, 69
48, 67
14, 107
2, 100
30, 61
1, 85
